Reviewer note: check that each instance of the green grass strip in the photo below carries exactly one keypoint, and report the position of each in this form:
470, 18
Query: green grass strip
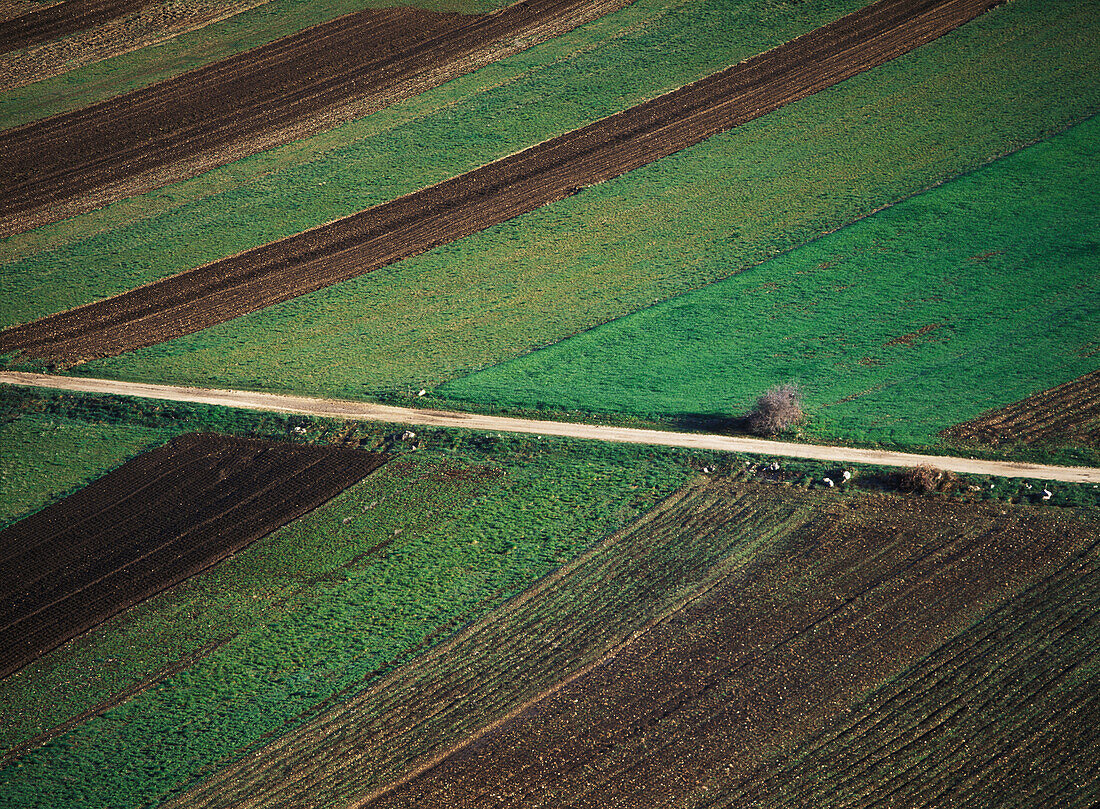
969, 296
307, 618
241, 32
1016, 74
45, 458
612, 63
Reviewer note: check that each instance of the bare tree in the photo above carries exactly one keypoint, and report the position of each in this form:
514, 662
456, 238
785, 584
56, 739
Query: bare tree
777, 411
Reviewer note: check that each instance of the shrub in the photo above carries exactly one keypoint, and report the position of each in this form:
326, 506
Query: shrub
777, 411
923, 478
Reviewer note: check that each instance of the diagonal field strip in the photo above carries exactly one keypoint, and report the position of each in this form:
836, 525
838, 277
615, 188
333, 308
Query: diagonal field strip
52, 22
365, 411
494, 193
290, 88
150, 524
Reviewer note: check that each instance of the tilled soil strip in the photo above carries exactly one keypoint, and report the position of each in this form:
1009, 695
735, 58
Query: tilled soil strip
288, 89
565, 623
762, 663
1068, 413
499, 191
62, 19
150, 524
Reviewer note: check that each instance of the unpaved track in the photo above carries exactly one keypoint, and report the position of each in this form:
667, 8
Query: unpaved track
499, 191
288, 89
365, 411
36, 27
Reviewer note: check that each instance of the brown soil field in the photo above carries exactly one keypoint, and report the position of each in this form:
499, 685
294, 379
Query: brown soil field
62, 19
1006, 714
291, 88
670, 663
150, 524
147, 24
678, 716
1067, 414
499, 191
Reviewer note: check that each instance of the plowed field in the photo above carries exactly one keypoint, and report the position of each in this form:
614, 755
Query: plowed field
1006, 714
288, 89
669, 663
757, 664
61, 19
152, 523
1069, 413
495, 193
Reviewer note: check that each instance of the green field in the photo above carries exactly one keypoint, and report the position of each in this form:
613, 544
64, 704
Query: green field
703, 214
320, 608
219, 40
972, 295
46, 457
622, 59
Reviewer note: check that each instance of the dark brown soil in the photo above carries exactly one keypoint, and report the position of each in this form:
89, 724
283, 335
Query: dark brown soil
1067, 414
760, 664
150, 524
1006, 714
288, 89
36, 27
492, 194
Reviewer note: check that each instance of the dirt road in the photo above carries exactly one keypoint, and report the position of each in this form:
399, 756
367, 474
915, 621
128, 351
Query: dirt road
365, 411
464, 205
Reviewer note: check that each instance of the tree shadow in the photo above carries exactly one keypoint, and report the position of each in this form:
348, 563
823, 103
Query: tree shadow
720, 423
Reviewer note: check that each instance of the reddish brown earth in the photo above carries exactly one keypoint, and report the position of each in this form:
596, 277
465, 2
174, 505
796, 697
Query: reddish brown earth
36, 27
1068, 414
496, 192
690, 710
288, 89
150, 524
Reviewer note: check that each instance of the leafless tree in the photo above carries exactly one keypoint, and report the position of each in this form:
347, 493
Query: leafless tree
777, 411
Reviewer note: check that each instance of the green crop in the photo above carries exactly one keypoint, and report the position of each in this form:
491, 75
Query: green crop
1012, 76
614, 62
314, 612
970, 296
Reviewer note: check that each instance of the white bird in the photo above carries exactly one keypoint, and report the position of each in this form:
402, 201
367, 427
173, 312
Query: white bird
847, 475
405, 436
1047, 494
827, 481
422, 393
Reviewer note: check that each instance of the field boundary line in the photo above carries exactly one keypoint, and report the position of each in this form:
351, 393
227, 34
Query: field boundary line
368, 411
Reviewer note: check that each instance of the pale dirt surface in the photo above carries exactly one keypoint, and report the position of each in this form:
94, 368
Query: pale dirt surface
366, 411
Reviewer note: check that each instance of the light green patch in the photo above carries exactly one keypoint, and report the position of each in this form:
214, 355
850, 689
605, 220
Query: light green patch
1014, 75
970, 296
44, 458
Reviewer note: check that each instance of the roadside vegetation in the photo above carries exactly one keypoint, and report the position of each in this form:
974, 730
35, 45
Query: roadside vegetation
701, 215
